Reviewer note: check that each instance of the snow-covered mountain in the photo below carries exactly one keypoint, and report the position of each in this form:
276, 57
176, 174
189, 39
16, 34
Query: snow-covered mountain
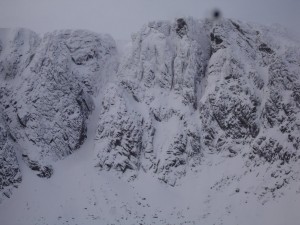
212, 104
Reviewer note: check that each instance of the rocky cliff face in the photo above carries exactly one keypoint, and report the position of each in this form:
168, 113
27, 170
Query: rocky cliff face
192, 88
149, 118
10, 174
186, 91
46, 90
250, 106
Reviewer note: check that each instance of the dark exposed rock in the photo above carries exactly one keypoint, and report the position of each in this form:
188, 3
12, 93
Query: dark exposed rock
42, 171
238, 27
264, 48
215, 39
181, 28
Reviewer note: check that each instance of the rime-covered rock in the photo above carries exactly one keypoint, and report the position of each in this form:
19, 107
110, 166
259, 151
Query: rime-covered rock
189, 88
47, 86
250, 104
186, 91
146, 119
10, 174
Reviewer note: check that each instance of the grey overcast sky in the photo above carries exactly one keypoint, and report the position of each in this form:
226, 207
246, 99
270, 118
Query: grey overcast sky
122, 17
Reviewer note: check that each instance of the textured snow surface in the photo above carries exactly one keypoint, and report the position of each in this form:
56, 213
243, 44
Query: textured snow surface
193, 122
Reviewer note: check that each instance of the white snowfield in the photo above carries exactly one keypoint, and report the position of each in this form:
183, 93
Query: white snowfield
193, 122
